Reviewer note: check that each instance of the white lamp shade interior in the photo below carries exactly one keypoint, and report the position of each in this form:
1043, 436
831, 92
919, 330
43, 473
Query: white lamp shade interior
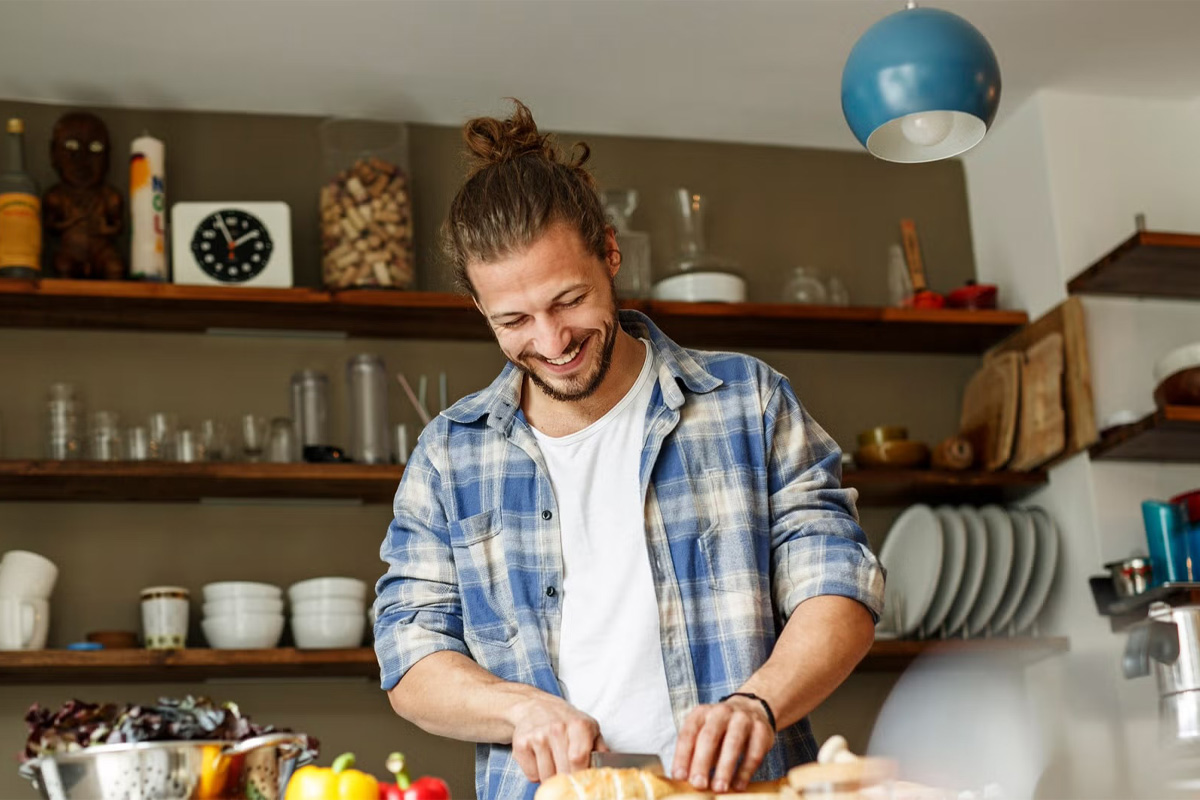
923, 136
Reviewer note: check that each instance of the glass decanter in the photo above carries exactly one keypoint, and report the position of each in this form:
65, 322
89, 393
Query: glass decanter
693, 251
633, 278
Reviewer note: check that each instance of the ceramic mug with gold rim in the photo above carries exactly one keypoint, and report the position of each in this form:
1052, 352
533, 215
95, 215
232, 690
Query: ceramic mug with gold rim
165, 617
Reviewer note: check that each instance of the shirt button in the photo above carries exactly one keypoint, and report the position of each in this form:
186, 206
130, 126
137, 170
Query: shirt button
550, 590
547, 514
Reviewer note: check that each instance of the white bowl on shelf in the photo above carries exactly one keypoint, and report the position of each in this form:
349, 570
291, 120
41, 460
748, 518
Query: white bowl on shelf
1177, 360
243, 605
243, 631
328, 605
317, 588
233, 590
324, 631
702, 287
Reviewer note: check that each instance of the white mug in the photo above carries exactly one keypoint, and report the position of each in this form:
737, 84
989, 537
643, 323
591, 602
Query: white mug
26, 574
41, 623
165, 617
18, 618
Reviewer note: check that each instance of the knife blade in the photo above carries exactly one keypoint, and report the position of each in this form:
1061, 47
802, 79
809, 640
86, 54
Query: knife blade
647, 761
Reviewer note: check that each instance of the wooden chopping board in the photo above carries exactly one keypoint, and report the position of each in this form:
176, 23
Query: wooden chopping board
989, 411
1042, 423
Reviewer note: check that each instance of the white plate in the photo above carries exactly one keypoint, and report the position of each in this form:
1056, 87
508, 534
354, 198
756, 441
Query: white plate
912, 555
1024, 555
1043, 571
954, 558
999, 564
973, 569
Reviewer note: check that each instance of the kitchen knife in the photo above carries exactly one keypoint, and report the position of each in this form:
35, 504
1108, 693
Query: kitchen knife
646, 761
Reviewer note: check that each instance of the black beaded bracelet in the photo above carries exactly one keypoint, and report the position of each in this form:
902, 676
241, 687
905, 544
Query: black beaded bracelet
766, 706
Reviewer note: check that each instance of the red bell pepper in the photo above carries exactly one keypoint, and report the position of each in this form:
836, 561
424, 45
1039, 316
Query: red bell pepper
425, 788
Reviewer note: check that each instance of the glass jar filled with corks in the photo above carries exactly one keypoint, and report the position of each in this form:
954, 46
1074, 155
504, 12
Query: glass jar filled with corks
366, 206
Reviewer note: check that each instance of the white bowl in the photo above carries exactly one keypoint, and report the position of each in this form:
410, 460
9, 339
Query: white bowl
328, 605
1179, 359
316, 588
243, 632
318, 631
244, 605
229, 590
702, 287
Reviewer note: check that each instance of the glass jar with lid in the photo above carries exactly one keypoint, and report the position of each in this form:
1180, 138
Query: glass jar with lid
366, 205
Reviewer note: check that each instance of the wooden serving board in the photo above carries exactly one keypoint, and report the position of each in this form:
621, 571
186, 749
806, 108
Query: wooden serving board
1079, 412
989, 412
1041, 423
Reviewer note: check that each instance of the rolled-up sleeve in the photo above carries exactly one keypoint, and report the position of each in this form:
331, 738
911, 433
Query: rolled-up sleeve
817, 545
417, 605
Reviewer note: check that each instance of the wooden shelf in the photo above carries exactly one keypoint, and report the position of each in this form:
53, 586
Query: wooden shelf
165, 482
1170, 434
198, 664
130, 305
1148, 264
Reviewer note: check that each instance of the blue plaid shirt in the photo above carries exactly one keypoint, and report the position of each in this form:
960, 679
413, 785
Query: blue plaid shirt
745, 519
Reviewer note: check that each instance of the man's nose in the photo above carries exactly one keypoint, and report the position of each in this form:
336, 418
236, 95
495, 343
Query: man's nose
551, 338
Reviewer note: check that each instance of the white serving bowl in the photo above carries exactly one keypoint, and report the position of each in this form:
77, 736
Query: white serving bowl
1177, 360
702, 287
243, 631
328, 605
244, 605
318, 631
230, 590
316, 588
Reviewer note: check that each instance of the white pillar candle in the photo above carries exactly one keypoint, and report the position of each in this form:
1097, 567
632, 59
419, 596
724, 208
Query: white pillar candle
147, 210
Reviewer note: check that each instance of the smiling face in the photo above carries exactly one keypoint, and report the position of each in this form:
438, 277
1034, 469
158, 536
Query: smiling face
553, 311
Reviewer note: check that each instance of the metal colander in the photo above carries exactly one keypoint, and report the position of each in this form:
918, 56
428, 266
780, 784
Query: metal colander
254, 769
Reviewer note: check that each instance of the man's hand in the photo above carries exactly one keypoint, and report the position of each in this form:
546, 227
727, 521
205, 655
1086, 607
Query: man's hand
716, 737
552, 736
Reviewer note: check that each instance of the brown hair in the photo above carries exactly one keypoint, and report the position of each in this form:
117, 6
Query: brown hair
518, 185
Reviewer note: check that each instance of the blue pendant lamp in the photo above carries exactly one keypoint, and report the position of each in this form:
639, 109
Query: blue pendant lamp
920, 85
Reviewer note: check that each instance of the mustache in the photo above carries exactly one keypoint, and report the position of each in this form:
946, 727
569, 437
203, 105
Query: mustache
529, 355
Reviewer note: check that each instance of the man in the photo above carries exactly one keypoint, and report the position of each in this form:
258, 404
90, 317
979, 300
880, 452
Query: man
619, 544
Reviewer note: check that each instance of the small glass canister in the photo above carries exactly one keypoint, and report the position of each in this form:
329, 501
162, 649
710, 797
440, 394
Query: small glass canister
64, 418
366, 205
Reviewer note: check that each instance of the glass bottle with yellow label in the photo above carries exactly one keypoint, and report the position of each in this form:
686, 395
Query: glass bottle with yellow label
20, 210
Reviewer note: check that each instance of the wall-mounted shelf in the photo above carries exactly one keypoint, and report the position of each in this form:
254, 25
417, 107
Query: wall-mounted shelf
1170, 434
129, 305
166, 482
198, 664
1148, 264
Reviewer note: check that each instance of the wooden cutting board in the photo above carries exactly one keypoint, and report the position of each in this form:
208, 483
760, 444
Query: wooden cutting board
1042, 421
989, 411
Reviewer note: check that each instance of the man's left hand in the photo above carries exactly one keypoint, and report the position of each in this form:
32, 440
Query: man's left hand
715, 738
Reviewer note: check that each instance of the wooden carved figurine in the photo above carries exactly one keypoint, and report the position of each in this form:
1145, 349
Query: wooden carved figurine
82, 210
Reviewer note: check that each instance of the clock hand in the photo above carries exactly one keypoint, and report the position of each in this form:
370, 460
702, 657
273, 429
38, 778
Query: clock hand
247, 237
224, 230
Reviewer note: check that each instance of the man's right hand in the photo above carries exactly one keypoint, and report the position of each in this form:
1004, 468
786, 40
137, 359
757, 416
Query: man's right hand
552, 736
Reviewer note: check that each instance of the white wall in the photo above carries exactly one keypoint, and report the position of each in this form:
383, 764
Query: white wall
1051, 190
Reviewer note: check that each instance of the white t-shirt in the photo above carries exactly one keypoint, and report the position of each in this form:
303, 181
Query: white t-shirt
610, 659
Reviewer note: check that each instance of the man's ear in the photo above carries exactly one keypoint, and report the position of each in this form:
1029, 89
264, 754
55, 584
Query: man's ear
612, 251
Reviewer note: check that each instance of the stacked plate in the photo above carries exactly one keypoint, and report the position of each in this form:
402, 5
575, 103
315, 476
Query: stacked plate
241, 615
967, 572
328, 612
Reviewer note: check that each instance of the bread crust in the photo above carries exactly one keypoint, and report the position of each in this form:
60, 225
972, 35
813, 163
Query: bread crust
607, 783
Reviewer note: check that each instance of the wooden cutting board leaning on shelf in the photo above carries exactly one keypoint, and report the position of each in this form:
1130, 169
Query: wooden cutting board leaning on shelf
1042, 424
989, 411
1051, 408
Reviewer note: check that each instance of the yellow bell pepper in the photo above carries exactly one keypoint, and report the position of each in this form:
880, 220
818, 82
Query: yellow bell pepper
339, 782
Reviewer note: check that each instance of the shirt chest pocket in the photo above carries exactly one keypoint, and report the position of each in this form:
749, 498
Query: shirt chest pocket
489, 617
728, 542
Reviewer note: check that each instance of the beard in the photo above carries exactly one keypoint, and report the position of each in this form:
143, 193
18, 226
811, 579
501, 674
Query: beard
580, 387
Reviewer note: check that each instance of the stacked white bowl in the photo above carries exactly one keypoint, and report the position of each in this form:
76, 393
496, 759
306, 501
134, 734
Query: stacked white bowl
328, 612
241, 615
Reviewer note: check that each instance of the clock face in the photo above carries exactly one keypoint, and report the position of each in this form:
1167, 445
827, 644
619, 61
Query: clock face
232, 246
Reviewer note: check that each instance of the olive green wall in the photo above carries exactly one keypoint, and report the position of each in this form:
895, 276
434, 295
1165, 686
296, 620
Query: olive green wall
772, 208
